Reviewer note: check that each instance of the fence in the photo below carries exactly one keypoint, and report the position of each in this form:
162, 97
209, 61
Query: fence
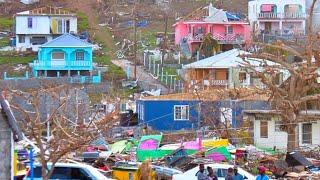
156, 67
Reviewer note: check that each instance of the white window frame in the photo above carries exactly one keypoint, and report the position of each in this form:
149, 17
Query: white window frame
186, 113
79, 59
64, 56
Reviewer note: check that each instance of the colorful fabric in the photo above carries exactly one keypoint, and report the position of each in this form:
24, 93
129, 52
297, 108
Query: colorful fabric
266, 7
215, 143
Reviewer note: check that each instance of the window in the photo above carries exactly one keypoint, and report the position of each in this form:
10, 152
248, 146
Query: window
229, 30
29, 22
226, 115
277, 126
22, 38
242, 76
79, 55
60, 24
38, 40
307, 133
181, 112
57, 56
263, 129
263, 125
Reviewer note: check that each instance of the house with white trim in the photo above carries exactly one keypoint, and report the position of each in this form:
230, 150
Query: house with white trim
38, 26
225, 70
268, 129
274, 17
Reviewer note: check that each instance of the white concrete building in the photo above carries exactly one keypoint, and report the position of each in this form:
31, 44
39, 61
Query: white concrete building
268, 134
275, 17
38, 26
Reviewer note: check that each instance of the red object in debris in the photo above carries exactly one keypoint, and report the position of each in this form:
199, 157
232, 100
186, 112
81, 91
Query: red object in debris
262, 169
104, 168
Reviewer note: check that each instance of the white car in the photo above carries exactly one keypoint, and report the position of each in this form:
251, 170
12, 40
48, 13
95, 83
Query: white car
68, 171
220, 171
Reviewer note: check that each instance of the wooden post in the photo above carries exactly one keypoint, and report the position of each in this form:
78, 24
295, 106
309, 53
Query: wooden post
166, 78
162, 74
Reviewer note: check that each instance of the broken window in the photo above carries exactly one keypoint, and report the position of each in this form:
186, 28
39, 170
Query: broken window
181, 112
307, 133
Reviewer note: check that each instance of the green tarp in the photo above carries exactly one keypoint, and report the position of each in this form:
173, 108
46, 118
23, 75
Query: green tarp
157, 154
222, 150
123, 145
144, 140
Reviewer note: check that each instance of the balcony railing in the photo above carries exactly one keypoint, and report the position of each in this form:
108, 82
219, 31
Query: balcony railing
61, 64
290, 15
269, 15
287, 15
221, 38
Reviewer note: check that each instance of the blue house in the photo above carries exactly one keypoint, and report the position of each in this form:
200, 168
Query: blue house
169, 114
65, 55
174, 112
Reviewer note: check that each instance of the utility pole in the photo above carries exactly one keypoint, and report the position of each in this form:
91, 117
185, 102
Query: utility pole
135, 41
164, 45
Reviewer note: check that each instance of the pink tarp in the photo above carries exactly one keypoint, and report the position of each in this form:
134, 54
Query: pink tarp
150, 144
216, 157
196, 145
266, 7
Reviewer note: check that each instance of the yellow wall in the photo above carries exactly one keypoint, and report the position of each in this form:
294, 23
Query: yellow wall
123, 175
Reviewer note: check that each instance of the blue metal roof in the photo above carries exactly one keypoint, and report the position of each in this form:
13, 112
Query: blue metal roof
67, 40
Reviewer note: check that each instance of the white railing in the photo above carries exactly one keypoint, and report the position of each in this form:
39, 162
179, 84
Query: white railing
294, 15
56, 63
224, 38
269, 15
286, 15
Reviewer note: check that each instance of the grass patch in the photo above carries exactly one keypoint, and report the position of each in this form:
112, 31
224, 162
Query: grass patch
113, 71
171, 71
5, 23
11, 60
4, 42
83, 23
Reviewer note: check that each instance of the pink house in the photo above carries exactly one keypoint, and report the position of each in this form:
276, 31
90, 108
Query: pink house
226, 28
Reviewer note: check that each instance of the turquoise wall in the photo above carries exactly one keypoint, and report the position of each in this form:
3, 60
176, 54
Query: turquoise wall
45, 56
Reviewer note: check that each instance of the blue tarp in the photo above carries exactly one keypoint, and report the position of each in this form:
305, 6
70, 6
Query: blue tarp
232, 17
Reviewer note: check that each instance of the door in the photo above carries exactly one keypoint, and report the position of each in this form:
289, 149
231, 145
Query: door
267, 27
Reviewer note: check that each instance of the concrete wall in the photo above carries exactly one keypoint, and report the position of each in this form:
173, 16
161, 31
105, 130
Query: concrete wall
275, 138
6, 150
279, 138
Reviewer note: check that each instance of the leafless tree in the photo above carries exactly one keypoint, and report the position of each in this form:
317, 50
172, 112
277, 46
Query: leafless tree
66, 136
293, 94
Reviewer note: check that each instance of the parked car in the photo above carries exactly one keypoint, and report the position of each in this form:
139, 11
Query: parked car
68, 171
219, 169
